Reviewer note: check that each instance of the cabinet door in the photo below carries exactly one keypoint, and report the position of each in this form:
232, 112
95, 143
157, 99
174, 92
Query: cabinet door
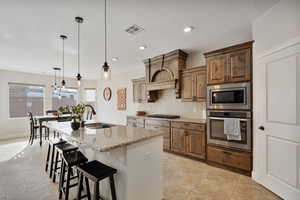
200, 85
136, 92
178, 140
196, 144
187, 86
239, 68
144, 96
216, 69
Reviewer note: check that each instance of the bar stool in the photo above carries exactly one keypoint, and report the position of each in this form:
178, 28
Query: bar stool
96, 171
60, 150
69, 160
51, 149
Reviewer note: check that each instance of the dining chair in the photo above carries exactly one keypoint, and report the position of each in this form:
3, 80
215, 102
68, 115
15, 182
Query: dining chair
34, 129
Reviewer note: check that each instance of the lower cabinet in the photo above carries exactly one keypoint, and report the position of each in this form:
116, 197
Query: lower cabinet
236, 159
162, 126
178, 140
188, 139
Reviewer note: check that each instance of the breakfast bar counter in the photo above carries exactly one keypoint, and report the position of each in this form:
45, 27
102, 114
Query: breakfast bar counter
136, 153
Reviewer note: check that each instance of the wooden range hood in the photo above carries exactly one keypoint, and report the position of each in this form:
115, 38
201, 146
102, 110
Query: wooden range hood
163, 71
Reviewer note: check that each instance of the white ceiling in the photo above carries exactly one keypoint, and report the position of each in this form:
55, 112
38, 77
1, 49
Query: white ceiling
29, 30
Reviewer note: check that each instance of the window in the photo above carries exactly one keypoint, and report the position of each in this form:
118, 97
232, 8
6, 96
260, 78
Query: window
64, 97
25, 98
90, 95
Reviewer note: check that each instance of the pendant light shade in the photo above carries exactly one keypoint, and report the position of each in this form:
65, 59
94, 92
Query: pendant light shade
63, 82
105, 67
79, 21
55, 85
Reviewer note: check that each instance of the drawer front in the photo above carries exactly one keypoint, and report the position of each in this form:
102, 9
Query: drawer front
140, 120
187, 125
164, 130
240, 160
154, 122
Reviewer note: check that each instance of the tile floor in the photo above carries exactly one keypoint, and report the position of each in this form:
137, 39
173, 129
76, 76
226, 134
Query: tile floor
23, 178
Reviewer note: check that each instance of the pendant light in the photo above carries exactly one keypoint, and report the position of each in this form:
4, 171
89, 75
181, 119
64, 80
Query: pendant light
79, 20
55, 78
63, 82
106, 68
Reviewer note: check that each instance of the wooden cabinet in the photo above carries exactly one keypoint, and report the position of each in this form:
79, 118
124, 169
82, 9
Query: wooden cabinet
235, 159
178, 140
188, 139
140, 93
229, 65
196, 144
193, 85
239, 67
216, 69
161, 126
135, 122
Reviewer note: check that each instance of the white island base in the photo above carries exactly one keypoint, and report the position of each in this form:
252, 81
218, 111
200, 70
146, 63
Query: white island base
140, 169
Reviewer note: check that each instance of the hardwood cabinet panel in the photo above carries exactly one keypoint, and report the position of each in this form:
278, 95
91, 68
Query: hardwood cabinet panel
187, 86
196, 144
164, 130
236, 159
140, 93
194, 84
178, 140
216, 69
166, 144
188, 125
239, 68
200, 80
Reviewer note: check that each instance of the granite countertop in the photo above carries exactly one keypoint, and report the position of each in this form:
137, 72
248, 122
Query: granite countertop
104, 139
181, 119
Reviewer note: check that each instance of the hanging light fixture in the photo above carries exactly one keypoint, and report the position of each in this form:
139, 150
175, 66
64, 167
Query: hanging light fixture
79, 20
55, 85
106, 68
63, 82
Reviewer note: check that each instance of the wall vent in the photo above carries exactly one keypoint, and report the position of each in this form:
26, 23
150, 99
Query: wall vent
134, 29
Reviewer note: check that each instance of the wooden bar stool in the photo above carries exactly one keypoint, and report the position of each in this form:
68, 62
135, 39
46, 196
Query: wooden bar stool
51, 149
96, 171
60, 149
70, 160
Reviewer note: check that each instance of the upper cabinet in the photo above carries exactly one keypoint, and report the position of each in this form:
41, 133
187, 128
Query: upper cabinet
229, 65
140, 93
193, 84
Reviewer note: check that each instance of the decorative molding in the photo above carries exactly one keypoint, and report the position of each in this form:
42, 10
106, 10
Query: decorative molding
285, 45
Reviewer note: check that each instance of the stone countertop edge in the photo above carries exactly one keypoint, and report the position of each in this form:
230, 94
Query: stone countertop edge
108, 147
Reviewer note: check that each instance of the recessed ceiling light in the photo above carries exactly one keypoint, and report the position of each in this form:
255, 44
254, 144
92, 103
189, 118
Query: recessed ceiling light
115, 58
143, 47
188, 29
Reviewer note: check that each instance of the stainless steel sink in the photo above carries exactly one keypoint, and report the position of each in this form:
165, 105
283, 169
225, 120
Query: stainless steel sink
98, 125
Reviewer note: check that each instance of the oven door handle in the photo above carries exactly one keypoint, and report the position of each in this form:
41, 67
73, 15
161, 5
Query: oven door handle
222, 118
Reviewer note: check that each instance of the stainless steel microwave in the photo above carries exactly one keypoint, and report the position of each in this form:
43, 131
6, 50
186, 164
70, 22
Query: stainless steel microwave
235, 96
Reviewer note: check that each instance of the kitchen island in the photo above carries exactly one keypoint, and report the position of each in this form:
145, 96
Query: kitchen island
136, 153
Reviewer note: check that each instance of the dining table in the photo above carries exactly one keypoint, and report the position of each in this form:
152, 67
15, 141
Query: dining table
47, 118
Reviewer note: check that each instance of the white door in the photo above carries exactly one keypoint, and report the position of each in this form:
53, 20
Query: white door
277, 121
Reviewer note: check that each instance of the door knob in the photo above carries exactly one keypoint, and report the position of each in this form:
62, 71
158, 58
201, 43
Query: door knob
262, 128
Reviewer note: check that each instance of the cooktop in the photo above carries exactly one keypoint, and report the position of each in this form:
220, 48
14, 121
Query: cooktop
164, 116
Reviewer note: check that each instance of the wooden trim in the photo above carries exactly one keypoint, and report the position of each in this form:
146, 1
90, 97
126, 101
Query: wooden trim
161, 85
229, 49
194, 69
178, 53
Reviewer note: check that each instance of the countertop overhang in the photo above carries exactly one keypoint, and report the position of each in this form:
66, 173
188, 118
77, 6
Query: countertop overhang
104, 139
